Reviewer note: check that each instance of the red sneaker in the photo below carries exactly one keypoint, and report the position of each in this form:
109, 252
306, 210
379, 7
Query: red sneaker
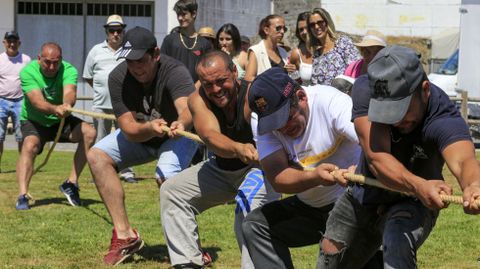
120, 249
207, 259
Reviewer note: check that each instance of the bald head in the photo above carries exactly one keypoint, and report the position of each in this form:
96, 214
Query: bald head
50, 59
213, 58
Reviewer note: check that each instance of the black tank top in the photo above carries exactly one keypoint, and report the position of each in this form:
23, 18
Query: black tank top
239, 131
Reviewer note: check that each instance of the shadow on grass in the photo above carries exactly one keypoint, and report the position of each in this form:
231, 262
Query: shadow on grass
159, 253
8, 172
63, 200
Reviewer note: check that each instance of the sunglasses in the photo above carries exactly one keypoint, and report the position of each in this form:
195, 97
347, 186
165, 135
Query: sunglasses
115, 30
320, 23
280, 28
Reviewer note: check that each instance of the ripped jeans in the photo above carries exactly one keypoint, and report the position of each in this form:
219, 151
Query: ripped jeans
400, 228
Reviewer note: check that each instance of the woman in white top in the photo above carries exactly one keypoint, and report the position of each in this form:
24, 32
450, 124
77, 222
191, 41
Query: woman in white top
266, 53
228, 40
301, 56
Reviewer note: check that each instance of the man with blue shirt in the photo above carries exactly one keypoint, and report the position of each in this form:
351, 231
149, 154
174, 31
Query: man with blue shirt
99, 63
408, 128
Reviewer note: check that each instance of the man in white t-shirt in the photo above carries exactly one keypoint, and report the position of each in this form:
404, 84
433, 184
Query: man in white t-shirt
297, 128
11, 95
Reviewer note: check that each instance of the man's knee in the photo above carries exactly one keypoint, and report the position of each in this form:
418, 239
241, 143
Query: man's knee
89, 133
330, 246
31, 146
97, 158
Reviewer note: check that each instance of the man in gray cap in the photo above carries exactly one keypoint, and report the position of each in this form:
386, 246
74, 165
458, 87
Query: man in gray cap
414, 130
100, 61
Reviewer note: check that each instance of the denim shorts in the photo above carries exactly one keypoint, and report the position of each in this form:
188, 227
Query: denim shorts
10, 108
173, 155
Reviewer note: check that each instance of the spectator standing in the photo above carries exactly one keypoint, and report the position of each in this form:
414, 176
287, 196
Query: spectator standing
266, 53
148, 91
185, 44
50, 89
301, 56
228, 40
369, 46
332, 53
209, 34
245, 43
99, 63
11, 95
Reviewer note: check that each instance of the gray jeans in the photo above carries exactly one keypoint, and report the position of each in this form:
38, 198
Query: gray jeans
401, 228
199, 188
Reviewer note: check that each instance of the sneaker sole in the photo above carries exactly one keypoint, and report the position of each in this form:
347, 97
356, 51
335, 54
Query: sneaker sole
70, 201
142, 243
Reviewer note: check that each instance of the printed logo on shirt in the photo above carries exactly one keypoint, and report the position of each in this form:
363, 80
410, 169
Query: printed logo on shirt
418, 153
197, 52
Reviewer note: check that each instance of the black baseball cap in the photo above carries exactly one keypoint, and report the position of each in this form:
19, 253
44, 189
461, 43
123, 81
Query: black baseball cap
394, 74
11, 35
136, 42
269, 98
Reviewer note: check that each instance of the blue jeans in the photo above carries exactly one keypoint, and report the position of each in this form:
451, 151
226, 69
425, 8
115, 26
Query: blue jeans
173, 155
401, 228
10, 108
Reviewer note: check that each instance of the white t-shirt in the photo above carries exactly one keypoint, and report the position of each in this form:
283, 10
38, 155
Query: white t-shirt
99, 63
329, 138
9, 74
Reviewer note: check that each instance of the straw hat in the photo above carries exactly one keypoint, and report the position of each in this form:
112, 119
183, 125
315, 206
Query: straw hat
207, 32
372, 38
114, 20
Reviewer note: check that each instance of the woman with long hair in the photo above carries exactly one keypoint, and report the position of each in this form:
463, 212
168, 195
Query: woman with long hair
332, 53
266, 53
229, 40
301, 56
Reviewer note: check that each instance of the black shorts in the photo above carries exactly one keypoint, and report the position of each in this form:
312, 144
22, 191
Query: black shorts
46, 134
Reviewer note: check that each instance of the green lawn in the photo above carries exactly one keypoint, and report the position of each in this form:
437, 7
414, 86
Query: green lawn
55, 235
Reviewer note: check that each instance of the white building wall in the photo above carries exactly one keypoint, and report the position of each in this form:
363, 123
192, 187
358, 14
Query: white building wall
418, 18
7, 18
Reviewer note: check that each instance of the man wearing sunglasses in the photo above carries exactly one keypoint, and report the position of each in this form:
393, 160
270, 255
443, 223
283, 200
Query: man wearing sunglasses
100, 61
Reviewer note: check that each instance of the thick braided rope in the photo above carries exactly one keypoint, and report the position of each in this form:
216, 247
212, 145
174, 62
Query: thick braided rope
186, 134
375, 183
57, 137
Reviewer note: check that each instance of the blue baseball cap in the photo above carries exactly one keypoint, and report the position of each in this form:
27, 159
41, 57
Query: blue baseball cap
269, 97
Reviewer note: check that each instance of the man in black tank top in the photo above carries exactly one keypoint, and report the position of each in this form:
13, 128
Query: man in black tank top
221, 117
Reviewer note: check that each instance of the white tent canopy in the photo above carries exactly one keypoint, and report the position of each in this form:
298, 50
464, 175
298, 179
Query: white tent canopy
445, 43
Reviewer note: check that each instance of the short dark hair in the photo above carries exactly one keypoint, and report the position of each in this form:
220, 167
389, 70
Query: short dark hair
185, 5
231, 30
265, 22
207, 59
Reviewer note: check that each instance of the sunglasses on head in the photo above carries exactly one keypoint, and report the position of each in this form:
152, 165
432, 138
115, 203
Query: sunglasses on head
320, 23
115, 30
280, 28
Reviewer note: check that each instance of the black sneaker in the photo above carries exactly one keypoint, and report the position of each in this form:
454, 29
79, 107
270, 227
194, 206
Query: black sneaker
71, 191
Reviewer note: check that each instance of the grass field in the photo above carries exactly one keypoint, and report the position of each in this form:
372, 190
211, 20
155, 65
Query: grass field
55, 235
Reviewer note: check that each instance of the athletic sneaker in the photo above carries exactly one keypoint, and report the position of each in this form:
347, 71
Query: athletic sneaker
130, 179
71, 191
207, 262
206, 258
120, 249
22, 202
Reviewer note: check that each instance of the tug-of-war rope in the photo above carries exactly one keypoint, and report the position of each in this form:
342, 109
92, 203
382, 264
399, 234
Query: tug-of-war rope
356, 178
